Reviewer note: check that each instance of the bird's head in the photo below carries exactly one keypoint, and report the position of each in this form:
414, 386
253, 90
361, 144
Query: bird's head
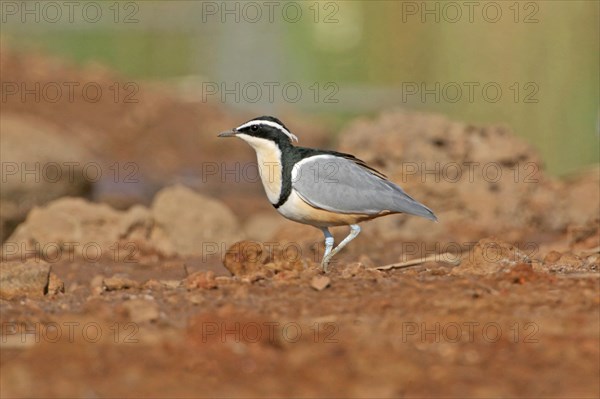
261, 130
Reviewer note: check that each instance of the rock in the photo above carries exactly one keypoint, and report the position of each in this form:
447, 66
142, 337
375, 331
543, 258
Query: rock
568, 262
246, 258
193, 222
254, 261
119, 282
319, 283
55, 285
170, 284
38, 166
490, 256
142, 310
75, 225
181, 222
160, 242
552, 257
203, 280
29, 278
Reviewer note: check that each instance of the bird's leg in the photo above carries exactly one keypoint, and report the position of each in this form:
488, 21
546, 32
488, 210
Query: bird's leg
354, 231
328, 247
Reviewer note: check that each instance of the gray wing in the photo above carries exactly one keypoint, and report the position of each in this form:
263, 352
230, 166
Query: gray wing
341, 185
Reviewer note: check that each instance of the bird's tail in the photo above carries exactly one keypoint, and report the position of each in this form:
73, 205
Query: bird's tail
416, 208
407, 204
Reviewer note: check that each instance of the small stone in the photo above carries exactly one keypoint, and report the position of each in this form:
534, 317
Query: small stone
141, 310
568, 262
552, 257
55, 285
119, 282
29, 278
171, 284
490, 256
204, 280
319, 283
245, 258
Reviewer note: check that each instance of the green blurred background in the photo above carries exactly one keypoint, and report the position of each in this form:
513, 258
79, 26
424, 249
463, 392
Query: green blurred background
543, 55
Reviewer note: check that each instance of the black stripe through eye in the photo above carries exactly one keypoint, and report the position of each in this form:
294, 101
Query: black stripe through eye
254, 128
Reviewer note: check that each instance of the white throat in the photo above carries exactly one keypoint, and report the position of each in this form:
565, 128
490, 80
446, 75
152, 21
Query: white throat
268, 158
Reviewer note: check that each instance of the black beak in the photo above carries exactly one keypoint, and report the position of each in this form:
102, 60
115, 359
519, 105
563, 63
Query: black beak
228, 133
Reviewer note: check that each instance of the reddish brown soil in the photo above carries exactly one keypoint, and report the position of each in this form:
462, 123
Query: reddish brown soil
424, 331
420, 332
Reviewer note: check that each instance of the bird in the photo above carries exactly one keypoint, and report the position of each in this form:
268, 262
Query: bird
321, 188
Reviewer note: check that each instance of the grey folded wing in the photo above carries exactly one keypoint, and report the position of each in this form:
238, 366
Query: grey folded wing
341, 185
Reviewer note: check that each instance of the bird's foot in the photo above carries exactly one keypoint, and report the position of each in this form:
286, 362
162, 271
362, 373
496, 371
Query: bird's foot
325, 264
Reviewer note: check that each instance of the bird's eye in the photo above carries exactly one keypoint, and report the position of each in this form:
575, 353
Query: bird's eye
254, 128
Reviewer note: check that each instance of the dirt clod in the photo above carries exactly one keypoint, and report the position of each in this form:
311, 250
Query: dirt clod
245, 258
119, 282
195, 224
319, 283
203, 279
489, 256
552, 257
565, 262
29, 278
55, 285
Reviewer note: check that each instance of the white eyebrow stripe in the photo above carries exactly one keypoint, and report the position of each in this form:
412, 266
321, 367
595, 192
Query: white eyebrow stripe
268, 123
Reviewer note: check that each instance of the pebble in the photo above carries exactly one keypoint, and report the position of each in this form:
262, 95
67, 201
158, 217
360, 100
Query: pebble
119, 282
29, 278
245, 258
205, 280
55, 285
319, 283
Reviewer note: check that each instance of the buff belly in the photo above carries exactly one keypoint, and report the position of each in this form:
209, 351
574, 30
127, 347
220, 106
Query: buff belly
298, 210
